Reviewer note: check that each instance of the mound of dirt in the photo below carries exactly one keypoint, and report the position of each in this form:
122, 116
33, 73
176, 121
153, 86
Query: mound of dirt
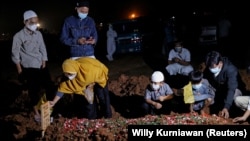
127, 87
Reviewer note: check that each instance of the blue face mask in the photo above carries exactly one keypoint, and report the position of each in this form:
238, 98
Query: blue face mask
82, 15
178, 49
196, 86
215, 70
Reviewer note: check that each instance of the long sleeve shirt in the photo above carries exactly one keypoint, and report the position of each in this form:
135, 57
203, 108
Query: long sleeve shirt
228, 80
28, 49
75, 28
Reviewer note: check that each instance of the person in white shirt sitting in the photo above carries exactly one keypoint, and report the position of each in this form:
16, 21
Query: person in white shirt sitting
179, 60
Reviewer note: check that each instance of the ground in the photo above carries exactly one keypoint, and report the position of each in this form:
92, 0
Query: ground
129, 75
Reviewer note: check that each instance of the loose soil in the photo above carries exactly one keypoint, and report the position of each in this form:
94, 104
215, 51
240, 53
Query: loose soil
129, 76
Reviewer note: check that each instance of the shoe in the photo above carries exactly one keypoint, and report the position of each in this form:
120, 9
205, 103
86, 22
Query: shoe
109, 58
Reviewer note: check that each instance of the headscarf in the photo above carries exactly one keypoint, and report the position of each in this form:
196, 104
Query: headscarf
89, 70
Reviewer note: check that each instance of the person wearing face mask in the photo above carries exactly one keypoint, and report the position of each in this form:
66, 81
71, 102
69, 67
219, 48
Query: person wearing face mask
157, 96
203, 93
224, 76
79, 32
179, 60
29, 54
86, 77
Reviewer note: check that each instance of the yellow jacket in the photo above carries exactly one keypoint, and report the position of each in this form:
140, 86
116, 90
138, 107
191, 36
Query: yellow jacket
88, 70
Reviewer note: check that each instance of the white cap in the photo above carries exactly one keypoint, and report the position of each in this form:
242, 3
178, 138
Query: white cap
157, 76
29, 14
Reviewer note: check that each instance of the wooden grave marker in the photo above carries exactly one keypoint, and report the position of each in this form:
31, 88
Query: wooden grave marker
45, 116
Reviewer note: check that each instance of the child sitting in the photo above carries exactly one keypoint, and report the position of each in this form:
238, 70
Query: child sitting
198, 93
158, 95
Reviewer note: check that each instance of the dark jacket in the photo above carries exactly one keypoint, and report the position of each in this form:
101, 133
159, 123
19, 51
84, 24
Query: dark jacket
226, 82
73, 29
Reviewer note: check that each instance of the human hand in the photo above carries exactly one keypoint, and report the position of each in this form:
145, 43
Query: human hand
19, 71
19, 68
52, 104
158, 105
43, 64
91, 40
81, 41
174, 91
176, 60
91, 85
224, 113
238, 119
191, 109
161, 98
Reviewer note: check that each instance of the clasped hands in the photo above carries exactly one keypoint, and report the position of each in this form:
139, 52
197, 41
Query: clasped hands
176, 60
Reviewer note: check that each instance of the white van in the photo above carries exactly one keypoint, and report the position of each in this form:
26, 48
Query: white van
208, 34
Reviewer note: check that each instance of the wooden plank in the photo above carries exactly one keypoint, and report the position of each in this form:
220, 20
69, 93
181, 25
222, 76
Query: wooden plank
45, 115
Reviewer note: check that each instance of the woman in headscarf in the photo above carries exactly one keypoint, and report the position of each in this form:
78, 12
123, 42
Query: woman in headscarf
83, 75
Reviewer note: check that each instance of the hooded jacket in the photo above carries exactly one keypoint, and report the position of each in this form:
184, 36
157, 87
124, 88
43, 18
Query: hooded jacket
88, 70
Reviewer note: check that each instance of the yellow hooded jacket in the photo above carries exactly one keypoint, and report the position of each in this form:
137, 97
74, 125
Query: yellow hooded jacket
88, 70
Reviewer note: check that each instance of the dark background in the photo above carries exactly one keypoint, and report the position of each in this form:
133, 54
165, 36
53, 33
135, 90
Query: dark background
53, 12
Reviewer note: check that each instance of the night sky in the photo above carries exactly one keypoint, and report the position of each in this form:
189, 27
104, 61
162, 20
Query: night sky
53, 12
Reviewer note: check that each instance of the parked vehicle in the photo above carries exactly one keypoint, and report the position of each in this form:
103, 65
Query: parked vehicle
129, 37
208, 34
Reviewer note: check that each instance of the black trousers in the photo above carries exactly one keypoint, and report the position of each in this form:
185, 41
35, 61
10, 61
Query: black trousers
35, 80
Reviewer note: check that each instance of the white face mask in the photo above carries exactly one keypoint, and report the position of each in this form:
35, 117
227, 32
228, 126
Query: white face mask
155, 86
215, 70
197, 86
71, 77
32, 27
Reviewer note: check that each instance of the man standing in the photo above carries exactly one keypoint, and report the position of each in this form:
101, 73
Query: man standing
29, 55
79, 32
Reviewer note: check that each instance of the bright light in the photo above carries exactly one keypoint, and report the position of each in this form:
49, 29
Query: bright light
132, 16
38, 25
